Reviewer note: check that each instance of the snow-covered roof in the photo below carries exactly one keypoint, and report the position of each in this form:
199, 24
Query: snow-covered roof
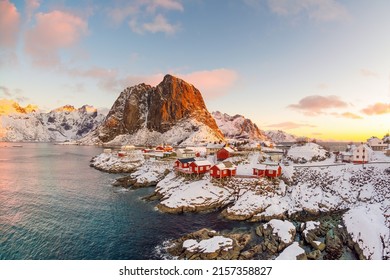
230, 150
226, 165
260, 166
202, 162
265, 167
186, 160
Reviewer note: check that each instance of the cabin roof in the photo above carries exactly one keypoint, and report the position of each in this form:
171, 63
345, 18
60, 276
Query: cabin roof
186, 160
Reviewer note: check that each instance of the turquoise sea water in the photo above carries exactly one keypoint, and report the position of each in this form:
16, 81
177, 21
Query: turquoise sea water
54, 206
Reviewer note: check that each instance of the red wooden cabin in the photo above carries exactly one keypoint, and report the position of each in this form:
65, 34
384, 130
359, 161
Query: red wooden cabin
182, 163
223, 169
224, 153
200, 166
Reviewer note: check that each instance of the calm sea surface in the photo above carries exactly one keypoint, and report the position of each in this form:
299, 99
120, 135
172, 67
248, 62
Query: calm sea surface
54, 206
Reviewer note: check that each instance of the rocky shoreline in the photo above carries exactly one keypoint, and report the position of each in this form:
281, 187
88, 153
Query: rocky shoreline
325, 239
307, 194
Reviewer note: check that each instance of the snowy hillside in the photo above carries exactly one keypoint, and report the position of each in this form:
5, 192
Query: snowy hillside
64, 123
238, 127
279, 136
182, 134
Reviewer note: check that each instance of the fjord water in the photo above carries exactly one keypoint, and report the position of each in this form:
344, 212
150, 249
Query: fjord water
54, 206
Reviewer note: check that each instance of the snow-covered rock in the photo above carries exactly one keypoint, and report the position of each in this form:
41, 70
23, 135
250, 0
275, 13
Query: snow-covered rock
238, 127
179, 195
292, 252
368, 230
307, 152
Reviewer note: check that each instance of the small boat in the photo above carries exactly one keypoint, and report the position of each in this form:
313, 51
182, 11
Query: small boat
17, 146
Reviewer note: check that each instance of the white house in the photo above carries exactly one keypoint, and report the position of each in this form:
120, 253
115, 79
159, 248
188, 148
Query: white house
185, 153
362, 154
377, 144
212, 148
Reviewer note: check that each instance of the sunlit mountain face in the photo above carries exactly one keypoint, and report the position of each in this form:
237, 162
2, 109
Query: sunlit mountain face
8, 106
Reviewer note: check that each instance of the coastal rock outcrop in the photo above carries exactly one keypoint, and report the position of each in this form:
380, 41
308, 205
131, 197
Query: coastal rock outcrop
205, 244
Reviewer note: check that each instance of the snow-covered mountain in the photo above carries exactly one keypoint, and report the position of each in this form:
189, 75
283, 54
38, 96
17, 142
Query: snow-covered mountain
173, 112
279, 136
238, 127
19, 123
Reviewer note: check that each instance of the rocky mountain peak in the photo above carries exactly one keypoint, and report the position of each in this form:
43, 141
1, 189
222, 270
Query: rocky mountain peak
157, 109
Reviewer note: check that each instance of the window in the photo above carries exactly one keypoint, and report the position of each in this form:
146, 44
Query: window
201, 168
224, 172
217, 172
357, 156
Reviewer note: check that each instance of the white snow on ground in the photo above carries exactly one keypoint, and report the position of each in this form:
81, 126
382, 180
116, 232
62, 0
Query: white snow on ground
291, 252
151, 171
284, 229
366, 225
307, 151
110, 162
177, 192
209, 245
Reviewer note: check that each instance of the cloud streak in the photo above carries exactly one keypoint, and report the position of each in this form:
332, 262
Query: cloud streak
212, 83
316, 104
347, 115
377, 109
290, 125
318, 10
369, 73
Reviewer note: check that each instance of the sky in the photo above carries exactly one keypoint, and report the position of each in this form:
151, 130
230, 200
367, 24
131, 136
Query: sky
315, 68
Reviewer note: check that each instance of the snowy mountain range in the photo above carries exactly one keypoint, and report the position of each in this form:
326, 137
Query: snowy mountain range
28, 123
278, 136
238, 127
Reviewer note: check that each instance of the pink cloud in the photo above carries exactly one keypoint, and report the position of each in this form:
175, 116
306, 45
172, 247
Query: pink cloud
53, 31
212, 83
315, 104
9, 24
377, 109
289, 125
